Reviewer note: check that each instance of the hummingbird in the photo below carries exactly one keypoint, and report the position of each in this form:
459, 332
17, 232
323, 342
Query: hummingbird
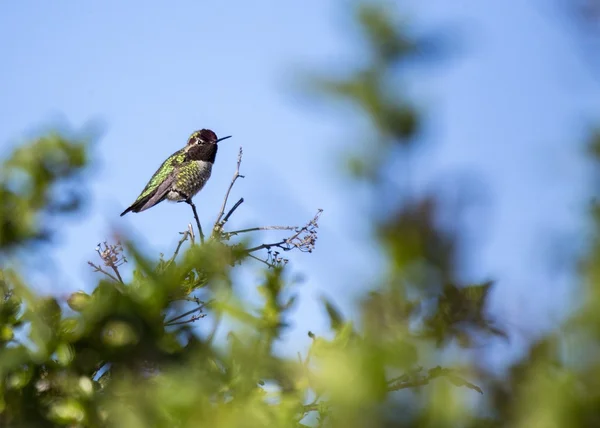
182, 175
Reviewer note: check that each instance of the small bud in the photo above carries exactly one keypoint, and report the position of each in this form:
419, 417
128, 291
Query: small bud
78, 301
86, 386
6, 333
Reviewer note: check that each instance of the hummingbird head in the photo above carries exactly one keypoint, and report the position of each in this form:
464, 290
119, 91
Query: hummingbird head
204, 136
202, 146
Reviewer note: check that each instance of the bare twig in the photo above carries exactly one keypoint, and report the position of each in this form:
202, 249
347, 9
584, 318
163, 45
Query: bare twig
297, 240
187, 234
201, 305
271, 265
191, 320
99, 269
178, 317
269, 246
231, 211
218, 225
252, 229
192, 234
256, 229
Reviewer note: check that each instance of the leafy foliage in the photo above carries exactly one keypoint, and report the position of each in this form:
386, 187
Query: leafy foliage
29, 181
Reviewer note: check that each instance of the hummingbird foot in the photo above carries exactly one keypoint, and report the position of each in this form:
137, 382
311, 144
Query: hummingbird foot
189, 201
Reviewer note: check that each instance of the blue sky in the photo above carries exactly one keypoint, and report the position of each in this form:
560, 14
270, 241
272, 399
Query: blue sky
506, 111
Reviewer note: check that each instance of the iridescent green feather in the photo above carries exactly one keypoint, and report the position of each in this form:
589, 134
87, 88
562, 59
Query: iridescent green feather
169, 166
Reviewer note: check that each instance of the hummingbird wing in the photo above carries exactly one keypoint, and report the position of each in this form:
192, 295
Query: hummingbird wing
159, 185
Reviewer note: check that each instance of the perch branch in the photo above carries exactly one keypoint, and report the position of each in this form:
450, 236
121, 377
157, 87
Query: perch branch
189, 201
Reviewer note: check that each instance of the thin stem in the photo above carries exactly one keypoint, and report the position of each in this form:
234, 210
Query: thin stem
192, 319
268, 246
236, 175
277, 244
99, 269
178, 317
256, 229
184, 238
261, 260
289, 243
114, 268
235, 207
189, 201
192, 235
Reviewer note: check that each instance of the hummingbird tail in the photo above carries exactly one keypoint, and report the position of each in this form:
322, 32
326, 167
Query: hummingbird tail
137, 206
145, 203
125, 212
151, 198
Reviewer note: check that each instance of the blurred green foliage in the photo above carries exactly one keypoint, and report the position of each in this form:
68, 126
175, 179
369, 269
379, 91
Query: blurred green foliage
32, 187
126, 355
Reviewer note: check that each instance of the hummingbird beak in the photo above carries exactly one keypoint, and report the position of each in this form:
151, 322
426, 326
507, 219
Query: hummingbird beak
224, 138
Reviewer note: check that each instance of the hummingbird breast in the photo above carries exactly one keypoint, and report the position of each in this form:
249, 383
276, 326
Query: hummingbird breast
190, 179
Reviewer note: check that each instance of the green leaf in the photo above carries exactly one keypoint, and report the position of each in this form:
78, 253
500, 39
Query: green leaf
336, 320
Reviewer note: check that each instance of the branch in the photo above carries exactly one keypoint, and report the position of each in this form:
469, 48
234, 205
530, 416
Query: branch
99, 269
187, 234
201, 305
191, 204
227, 235
269, 246
116, 271
191, 320
192, 235
218, 224
271, 265
303, 243
231, 211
